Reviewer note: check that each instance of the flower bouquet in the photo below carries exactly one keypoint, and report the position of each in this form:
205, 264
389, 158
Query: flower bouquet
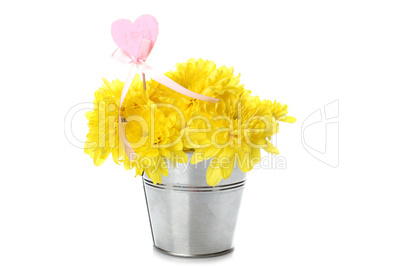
192, 133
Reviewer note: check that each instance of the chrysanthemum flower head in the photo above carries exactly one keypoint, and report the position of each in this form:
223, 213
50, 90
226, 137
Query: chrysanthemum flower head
200, 76
154, 135
233, 131
103, 135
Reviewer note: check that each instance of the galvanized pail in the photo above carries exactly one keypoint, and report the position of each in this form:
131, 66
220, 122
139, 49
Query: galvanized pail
188, 217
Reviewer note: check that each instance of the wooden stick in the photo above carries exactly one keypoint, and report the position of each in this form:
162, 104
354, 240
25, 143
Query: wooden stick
144, 83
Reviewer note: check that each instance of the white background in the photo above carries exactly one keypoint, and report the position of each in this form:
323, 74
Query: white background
58, 210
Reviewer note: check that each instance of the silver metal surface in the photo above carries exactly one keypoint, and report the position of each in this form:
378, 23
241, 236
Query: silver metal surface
188, 217
216, 254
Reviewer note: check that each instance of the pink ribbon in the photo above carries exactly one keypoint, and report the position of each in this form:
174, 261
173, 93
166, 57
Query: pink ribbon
141, 66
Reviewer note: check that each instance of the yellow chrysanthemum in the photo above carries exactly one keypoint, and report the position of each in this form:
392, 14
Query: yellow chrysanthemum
233, 130
277, 110
155, 138
103, 135
200, 76
161, 123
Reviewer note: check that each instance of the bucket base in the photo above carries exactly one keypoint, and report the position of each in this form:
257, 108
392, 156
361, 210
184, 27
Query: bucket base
209, 255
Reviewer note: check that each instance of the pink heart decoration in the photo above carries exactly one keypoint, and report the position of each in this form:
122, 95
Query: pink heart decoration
128, 35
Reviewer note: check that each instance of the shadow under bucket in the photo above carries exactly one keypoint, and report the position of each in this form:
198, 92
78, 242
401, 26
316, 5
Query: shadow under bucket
188, 217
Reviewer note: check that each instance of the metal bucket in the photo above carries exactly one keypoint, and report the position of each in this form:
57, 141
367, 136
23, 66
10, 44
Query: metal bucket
188, 217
